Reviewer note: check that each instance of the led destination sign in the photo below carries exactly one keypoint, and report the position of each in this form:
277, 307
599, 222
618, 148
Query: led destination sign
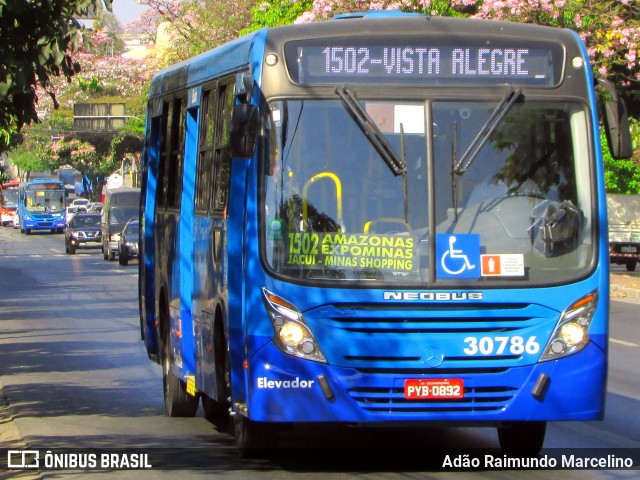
322, 61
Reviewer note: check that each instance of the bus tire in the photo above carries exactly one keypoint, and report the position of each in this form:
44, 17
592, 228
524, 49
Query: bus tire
111, 256
524, 438
631, 265
177, 402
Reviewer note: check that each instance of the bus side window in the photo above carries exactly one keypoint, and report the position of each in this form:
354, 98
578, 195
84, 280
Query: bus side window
175, 159
222, 155
204, 178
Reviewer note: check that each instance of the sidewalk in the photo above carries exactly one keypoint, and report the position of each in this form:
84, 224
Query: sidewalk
625, 286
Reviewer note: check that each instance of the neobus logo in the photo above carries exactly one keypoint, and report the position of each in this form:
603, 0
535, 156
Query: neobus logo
433, 296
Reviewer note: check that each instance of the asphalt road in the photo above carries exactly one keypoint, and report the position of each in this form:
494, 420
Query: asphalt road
74, 375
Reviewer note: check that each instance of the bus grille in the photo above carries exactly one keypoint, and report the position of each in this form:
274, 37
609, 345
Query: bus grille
395, 339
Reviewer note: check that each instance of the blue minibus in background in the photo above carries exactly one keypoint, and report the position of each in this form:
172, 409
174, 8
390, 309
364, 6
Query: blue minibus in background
382, 219
41, 205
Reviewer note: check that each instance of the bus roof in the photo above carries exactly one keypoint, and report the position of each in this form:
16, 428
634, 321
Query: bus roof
228, 58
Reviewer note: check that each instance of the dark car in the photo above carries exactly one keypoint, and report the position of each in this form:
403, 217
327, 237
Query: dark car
128, 242
83, 231
120, 206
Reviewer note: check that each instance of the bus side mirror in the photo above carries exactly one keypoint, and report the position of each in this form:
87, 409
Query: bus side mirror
616, 122
244, 128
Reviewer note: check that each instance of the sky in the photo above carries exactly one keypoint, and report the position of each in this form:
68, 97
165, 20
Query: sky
126, 10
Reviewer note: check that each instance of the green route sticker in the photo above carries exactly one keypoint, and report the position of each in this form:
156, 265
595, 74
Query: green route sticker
327, 250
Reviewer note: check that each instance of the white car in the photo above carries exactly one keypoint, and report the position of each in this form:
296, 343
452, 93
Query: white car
77, 202
71, 210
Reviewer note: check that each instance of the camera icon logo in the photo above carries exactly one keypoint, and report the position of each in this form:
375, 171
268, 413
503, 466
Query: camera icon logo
23, 459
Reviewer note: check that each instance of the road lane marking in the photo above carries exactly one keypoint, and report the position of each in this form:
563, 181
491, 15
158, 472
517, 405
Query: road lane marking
622, 342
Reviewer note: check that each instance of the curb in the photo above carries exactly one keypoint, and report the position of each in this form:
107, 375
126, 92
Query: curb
619, 292
9, 434
10, 439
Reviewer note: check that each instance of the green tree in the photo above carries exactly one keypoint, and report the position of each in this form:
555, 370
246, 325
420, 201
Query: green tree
277, 13
103, 79
623, 176
36, 38
32, 153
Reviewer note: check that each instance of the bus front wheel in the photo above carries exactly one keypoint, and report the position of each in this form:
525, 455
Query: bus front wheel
522, 437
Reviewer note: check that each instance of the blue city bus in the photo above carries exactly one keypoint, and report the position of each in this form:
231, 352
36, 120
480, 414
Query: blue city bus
42, 205
383, 219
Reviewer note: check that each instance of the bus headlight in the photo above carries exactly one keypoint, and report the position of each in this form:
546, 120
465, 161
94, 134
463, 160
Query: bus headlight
572, 332
292, 335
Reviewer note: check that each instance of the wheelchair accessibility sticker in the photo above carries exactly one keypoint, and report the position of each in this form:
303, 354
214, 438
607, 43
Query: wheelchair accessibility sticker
458, 255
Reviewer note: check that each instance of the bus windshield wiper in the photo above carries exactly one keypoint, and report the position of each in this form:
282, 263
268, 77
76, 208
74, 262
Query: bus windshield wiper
487, 129
370, 130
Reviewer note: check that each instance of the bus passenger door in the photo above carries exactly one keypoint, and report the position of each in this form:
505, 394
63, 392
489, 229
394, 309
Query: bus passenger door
146, 274
209, 240
167, 213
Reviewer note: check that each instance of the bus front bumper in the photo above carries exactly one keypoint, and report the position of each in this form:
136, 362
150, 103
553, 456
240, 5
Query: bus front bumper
283, 388
48, 224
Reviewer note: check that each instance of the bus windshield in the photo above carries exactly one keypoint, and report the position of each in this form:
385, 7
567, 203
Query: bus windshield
518, 210
9, 197
44, 201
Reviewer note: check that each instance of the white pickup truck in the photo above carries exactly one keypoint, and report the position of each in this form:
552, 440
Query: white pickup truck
624, 229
